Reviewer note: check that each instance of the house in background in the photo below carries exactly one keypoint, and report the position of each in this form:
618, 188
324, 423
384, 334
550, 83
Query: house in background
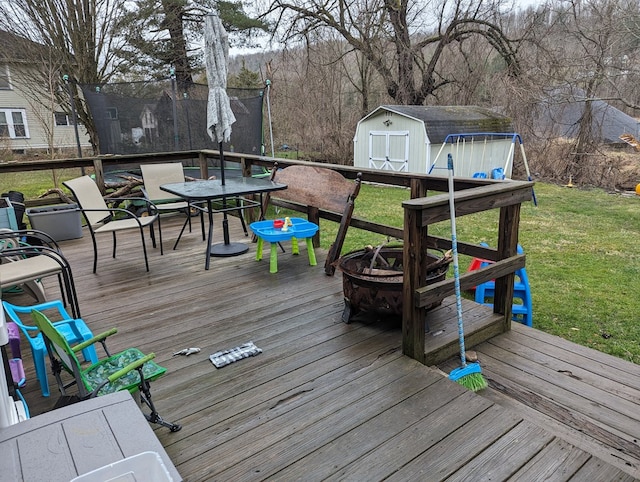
29, 122
416, 138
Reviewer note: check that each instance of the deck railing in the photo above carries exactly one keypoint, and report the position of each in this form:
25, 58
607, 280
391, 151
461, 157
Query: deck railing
471, 196
419, 214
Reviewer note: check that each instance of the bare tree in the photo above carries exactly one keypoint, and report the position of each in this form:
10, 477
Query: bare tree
405, 41
77, 38
580, 53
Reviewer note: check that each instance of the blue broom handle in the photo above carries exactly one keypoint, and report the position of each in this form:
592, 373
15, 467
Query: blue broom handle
456, 269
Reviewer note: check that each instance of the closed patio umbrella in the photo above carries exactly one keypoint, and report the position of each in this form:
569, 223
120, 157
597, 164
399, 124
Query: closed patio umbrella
220, 117
219, 114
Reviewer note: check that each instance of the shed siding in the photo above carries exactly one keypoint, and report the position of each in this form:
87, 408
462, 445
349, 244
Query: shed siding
391, 122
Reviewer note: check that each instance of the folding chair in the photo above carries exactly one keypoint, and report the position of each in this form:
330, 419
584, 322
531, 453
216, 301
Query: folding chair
129, 370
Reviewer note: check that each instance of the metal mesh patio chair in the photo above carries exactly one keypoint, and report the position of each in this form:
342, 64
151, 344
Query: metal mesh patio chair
104, 219
154, 176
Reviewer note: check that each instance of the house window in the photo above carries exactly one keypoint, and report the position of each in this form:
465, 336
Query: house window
13, 123
112, 113
62, 119
5, 83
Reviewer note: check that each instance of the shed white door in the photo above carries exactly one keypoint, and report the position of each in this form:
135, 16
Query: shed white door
389, 151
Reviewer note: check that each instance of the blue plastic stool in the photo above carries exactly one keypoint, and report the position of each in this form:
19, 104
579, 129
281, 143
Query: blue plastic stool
74, 330
522, 311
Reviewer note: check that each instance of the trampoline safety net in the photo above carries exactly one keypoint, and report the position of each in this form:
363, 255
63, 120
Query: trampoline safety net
147, 117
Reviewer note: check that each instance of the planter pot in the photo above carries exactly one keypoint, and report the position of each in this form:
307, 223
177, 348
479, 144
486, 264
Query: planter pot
61, 222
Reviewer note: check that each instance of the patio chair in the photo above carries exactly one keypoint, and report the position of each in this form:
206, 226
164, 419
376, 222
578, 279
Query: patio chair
154, 176
315, 191
24, 264
102, 219
74, 331
129, 370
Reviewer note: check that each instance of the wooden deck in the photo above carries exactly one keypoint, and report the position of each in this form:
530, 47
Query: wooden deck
327, 400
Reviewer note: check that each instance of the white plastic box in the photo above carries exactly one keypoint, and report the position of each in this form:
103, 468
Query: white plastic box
143, 467
61, 221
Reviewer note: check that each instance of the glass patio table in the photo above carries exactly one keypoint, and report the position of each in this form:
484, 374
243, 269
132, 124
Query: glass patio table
208, 191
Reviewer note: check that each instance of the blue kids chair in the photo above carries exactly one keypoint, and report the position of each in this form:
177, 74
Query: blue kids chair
74, 330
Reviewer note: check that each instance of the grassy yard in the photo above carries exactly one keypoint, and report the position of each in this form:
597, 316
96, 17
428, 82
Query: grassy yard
581, 245
34, 183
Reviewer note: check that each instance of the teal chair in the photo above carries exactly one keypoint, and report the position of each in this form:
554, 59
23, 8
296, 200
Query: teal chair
74, 330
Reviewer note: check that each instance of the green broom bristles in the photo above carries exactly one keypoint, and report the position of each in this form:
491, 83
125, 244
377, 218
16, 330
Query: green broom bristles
475, 382
470, 377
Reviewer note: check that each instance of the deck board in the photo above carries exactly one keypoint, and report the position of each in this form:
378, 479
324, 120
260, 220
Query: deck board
329, 400
587, 398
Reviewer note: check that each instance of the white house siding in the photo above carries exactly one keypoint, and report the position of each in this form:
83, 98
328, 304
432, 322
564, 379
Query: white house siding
37, 118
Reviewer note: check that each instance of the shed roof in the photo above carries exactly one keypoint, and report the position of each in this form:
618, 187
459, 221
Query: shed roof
440, 121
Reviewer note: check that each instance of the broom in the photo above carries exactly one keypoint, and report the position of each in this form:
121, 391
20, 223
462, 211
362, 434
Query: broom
469, 375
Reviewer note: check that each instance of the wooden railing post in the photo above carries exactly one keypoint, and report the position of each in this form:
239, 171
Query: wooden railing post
99, 175
508, 228
245, 166
417, 296
418, 188
204, 169
414, 262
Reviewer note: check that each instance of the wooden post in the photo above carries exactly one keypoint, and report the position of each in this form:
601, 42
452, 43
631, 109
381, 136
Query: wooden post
507, 247
313, 215
414, 264
245, 165
418, 188
99, 174
204, 170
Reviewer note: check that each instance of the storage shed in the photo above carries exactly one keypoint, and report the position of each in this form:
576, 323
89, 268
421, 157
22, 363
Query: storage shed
416, 138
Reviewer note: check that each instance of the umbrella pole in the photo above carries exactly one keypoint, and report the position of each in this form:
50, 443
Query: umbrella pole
221, 163
226, 248
225, 222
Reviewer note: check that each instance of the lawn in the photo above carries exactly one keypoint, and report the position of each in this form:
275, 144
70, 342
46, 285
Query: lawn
582, 261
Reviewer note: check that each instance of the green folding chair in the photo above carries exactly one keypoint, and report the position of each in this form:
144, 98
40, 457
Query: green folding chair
129, 370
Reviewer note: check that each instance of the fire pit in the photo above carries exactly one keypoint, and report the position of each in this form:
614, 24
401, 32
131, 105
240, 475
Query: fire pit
372, 280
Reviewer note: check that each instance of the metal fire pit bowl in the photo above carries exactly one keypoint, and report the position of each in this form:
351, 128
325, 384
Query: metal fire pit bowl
377, 287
